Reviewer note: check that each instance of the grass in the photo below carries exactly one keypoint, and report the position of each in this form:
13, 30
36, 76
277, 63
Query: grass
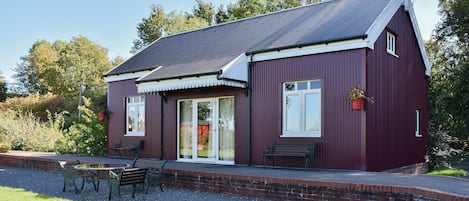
448, 172
22, 194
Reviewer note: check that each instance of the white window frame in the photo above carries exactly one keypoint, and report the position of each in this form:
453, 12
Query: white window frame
391, 41
302, 93
137, 102
417, 123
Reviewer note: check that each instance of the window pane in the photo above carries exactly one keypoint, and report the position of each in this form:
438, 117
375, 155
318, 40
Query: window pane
142, 99
141, 119
302, 85
313, 112
226, 129
131, 118
289, 86
204, 130
315, 84
185, 129
130, 100
293, 113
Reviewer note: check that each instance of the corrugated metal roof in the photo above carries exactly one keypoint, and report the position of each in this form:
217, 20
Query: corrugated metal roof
207, 50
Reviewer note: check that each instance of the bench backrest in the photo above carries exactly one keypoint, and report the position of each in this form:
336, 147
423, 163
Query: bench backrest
130, 144
132, 176
298, 148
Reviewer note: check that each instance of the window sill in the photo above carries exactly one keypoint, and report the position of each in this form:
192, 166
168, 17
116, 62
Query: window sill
392, 53
135, 134
301, 135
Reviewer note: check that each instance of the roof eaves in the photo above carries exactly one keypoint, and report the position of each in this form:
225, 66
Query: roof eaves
136, 53
142, 80
362, 36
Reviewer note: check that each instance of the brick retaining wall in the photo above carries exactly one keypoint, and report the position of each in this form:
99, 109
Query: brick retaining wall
274, 188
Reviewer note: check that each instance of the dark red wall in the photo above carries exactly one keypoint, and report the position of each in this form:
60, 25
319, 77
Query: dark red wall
116, 106
342, 143
399, 86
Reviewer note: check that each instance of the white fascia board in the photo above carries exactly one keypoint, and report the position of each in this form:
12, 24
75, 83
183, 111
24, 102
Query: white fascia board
410, 8
237, 69
385, 17
186, 83
312, 49
382, 21
125, 76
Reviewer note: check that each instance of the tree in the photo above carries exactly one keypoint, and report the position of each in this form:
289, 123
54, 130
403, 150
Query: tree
64, 68
246, 8
3, 88
204, 11
453, 41
159, 24
117, 60
221, 16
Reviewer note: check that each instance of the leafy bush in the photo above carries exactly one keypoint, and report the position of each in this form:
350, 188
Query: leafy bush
86, 136
36, 104
23, 131
439, 149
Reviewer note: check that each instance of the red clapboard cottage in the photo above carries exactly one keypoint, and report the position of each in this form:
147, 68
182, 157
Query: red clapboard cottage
221, 94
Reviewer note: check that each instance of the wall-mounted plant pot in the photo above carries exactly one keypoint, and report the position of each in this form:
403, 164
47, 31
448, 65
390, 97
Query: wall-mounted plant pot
357, 104
101, 116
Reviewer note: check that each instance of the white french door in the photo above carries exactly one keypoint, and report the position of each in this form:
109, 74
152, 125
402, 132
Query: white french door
206, 130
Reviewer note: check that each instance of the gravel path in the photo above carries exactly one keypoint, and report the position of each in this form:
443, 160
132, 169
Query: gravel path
51, 183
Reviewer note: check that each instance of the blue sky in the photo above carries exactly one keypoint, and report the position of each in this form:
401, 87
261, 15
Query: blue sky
109, 23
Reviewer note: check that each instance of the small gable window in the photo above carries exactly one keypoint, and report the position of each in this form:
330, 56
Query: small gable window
135, 116
391, 47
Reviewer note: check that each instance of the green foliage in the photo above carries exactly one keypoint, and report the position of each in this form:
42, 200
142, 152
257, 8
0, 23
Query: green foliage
9, 193
159, 23
38, 105
204, 11
448, 172
25, 132
448, 91
86, 136
63, 67
3, 88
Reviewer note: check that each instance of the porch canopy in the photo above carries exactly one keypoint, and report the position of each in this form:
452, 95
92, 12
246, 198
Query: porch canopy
225, 71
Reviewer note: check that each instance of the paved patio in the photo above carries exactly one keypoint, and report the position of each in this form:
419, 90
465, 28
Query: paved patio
446, 186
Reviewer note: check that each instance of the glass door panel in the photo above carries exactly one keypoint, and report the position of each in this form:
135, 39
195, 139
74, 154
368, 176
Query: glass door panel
226, 129
205, 135
186, 129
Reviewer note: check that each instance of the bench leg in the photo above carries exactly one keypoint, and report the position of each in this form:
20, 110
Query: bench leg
269, 158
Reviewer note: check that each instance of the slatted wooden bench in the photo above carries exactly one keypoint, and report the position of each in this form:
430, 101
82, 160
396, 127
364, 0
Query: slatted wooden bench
133, 146
129, 176
306, 150
154, 173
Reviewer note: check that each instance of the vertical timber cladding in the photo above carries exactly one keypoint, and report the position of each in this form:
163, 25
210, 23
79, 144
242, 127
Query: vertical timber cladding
399, 86
339, 146
240, 115
118, 91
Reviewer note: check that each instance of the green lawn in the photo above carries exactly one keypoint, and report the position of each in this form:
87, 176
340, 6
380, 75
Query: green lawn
449, 172
13, 194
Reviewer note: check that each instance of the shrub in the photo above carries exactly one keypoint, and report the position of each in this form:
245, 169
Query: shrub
86, 136
23, 131
4, 147
36, 104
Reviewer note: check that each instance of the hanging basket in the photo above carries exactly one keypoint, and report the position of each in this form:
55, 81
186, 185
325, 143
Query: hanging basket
357, 104
101, 116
